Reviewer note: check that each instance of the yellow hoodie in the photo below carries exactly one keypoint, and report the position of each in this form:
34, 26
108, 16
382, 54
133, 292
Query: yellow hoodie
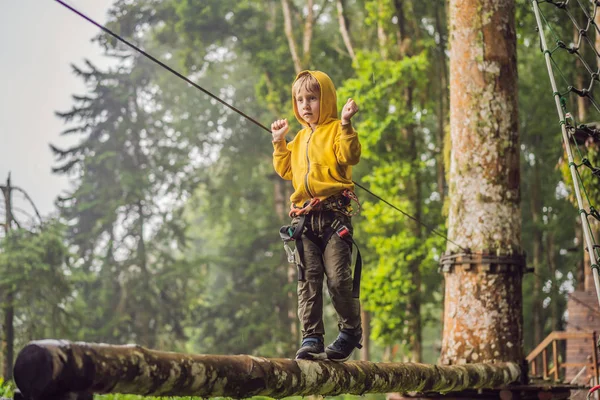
319, 162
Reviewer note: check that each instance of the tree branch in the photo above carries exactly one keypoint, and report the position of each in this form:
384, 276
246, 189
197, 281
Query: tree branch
30, 202
344, 29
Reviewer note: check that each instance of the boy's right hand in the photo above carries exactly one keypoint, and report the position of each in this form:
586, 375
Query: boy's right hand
279, 129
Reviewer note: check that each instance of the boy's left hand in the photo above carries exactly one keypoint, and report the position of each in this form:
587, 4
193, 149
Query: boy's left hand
350, 108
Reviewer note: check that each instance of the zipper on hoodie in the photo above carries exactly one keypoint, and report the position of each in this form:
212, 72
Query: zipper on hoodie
308, 165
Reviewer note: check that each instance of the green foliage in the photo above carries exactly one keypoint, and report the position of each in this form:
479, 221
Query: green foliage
152, 130
132, 172
33, 269
6, 389
173, 219
29, 258
395, 243
549, 221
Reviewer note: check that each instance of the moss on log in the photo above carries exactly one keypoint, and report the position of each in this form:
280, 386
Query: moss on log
53, 369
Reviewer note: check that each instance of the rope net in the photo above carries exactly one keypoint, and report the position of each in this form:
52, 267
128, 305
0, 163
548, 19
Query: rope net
570, 41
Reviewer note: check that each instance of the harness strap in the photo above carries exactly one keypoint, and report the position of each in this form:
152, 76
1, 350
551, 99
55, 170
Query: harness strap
340, 203
342, 231
300, 265
290, 232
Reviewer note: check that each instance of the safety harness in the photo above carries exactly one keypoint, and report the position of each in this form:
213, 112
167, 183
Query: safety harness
289, 233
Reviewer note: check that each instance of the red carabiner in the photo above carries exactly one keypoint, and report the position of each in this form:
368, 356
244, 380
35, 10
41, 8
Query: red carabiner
294, 212
592, 390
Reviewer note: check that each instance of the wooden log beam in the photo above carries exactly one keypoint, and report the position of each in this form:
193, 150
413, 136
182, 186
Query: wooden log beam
58, 369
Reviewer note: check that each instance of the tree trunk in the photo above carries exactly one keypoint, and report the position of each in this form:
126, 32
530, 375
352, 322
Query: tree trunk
414, 195
382, 38
441, 131
8, 328
581, 263
414, 304
556, 318
401, 36
56, 368
8, 336
483, 319
365, 352
343, 22
536, 207
308, 33
148, 324
289, 34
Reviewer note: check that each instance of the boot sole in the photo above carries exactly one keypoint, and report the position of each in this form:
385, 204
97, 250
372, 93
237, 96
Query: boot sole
339, 359
312, 356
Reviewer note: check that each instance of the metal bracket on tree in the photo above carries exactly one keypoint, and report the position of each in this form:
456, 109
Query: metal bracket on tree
490, 263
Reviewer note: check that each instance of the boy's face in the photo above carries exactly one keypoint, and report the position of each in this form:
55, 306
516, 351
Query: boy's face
308, 106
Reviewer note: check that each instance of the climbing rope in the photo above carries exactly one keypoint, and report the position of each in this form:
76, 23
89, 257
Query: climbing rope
569, 128
181, 76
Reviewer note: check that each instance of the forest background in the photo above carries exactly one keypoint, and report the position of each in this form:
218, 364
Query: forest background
169, 236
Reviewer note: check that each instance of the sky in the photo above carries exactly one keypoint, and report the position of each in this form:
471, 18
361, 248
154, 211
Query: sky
40, 40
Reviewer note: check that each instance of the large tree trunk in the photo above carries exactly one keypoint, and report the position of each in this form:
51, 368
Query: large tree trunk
52, 369
483, 303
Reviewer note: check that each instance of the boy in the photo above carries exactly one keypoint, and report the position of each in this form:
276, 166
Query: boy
319, 162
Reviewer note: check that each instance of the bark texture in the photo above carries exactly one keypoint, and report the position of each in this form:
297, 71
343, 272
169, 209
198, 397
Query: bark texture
483, 315
484, 167
483, 304
46, 369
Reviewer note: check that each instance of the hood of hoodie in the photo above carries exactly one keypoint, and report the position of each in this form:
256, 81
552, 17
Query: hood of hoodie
328, 104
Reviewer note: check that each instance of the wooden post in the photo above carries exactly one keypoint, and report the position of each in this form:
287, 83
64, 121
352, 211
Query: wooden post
555, 359
545, 363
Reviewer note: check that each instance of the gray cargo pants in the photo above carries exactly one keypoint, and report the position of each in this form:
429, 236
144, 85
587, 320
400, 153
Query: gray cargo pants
335, 264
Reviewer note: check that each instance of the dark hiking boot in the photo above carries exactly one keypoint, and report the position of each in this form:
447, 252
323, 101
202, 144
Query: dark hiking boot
343, 346
312, 349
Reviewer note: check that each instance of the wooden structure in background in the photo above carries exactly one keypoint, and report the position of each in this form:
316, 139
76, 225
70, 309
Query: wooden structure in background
553, 367
584, 316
